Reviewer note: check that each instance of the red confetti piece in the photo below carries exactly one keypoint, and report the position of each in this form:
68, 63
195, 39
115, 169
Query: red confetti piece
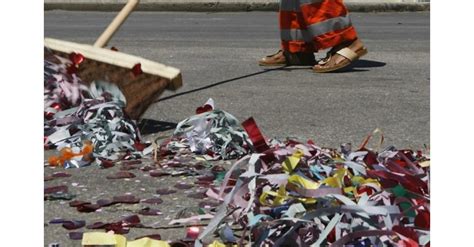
48, 115
422, 219
152, 236
165, 191
106, 164
131, 220
255, 135
74, 224
204, 108
139, 146
158, 173
71, 69
88, 208
121, 174
61, 175
365, 189
56, 189
117, 228
406, 231
76, 58
192, 233
127, 199
56, 106
137, 69
77, 203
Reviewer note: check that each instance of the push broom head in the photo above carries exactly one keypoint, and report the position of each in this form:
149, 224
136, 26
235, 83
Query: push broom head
140, 80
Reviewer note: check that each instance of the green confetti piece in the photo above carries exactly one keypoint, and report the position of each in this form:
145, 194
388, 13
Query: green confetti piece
399, 191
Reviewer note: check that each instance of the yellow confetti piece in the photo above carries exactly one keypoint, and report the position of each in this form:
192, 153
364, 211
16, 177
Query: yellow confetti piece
102, 238
217, 243
147, 242
303, 182
291, 162
358, 180
281, 196
350, 189
337, 180
424, 164
307, 200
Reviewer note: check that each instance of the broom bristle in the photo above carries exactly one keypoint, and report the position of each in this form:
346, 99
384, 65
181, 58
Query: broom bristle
139, 90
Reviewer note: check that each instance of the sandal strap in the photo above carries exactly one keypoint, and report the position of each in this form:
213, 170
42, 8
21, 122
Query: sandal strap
276, 53
348, 53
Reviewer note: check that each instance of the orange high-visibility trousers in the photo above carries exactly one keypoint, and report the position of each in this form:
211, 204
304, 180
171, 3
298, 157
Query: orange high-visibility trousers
312, 25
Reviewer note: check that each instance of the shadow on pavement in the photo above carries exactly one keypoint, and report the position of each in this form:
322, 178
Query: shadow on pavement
352, 68
362, 63
150, 126
220, 83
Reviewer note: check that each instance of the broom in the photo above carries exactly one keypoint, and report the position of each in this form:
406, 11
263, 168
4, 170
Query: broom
141, 81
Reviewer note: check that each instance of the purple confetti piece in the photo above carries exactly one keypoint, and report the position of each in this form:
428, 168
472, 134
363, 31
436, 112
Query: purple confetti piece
56, 189
74, 224
183, 186
165, 191
75, 235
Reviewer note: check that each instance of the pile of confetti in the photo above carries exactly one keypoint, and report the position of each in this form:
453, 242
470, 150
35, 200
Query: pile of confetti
213, 133
299, 193
75, 113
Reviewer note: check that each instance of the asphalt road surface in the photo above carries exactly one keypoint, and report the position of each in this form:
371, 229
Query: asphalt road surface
217, 53
387, 89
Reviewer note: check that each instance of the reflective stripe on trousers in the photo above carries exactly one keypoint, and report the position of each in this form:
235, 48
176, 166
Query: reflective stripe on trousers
311, 25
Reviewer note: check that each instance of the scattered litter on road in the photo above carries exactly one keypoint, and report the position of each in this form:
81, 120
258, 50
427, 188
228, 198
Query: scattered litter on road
275, 193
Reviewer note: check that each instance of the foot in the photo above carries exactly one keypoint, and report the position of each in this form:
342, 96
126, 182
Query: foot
273, 60
335, 61
287, 58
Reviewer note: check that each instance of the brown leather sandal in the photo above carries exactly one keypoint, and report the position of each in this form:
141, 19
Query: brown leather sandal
276, 59
286, 58
349, 55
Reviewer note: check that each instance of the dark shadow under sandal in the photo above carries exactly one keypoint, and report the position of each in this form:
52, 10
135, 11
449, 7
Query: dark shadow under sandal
286, 58
349, 55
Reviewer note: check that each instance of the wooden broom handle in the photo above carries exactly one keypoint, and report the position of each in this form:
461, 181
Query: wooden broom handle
116, 23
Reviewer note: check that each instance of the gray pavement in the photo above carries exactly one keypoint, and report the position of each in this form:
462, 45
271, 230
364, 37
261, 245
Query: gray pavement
227, 5
387, 89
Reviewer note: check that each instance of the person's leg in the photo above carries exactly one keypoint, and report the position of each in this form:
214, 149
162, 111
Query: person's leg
297, 46
330, 26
